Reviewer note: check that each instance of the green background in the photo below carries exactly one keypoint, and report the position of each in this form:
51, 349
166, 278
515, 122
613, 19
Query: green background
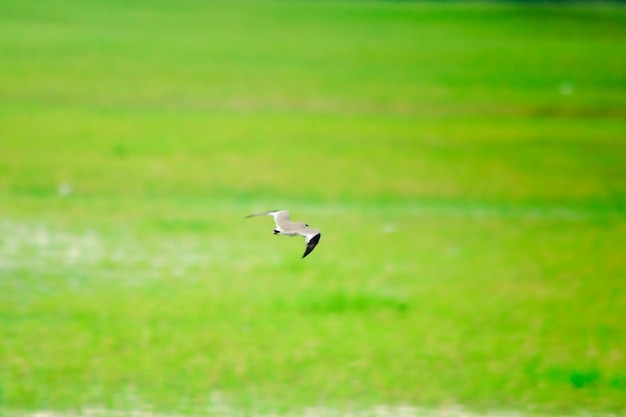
466, 163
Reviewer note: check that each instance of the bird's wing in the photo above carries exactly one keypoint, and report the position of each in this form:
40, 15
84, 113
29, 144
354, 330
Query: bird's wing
265, 213
280, 216
312, 239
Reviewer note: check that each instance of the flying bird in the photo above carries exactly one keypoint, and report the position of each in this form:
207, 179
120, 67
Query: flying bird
284, 226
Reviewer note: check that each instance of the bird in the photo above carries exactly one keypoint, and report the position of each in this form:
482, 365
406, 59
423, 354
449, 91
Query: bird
284, 226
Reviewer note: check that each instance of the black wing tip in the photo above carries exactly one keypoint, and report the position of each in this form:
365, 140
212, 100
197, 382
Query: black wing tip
312, 244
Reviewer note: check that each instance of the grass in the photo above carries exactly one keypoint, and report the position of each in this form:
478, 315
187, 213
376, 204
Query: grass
465, 162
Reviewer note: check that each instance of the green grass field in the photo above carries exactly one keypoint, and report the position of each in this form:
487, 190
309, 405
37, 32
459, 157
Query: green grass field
466, 163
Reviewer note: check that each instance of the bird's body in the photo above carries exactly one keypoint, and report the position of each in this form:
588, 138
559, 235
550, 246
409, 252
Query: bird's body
284, 226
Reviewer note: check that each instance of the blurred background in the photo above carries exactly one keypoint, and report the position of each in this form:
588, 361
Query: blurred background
465, 162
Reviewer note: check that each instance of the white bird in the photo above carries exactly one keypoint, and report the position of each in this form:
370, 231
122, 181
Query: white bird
284, 226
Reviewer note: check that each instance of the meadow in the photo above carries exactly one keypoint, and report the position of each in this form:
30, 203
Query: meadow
466, 163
